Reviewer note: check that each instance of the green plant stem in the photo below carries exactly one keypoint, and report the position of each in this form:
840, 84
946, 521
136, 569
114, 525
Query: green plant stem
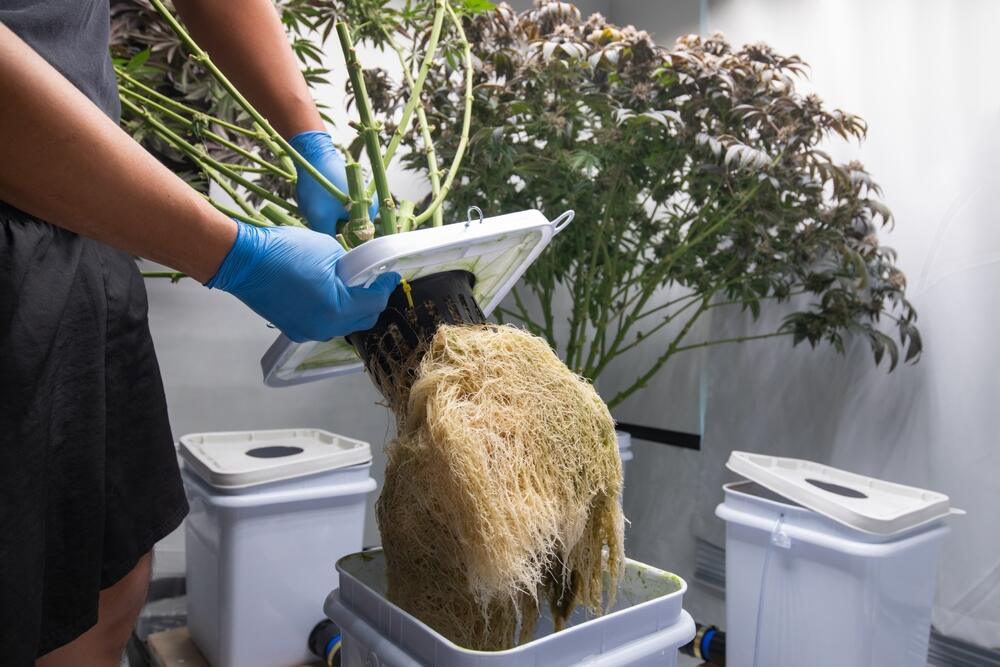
433, 172
369, 132
222, 208
190, 123
522, 315
666, 305
236, 148
179, 106
721, 304
415, 86
546, 305
231, 191
466, 120
735, 339
359, 207
202, 57
246, 168
646, 334
597, 345
641, 381
404, 217
643, 296
676, 347
500, 312
202, 158
359, 228
582, 287
279, 216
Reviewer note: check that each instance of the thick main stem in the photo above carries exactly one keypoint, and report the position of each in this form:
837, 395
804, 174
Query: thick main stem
359, 228
369, 130
201, 56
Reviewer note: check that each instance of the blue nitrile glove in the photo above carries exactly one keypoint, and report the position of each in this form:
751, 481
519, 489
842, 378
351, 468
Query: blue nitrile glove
286, 275
321, 209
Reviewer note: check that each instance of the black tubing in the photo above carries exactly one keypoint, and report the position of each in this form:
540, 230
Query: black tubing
709, 644
440, 298
324, 640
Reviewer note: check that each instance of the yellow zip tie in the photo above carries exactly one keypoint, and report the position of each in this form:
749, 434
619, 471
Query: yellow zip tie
407, 290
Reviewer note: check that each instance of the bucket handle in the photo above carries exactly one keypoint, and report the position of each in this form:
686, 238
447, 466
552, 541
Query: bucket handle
562, 221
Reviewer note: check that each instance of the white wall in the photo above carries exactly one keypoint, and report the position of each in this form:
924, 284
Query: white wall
665, 20
913, 70
586, 7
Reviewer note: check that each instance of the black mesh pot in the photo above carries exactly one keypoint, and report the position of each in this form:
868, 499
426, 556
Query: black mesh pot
402, 329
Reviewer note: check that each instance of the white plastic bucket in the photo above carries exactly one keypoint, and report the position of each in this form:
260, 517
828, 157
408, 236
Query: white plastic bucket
803, 589
646, 627
260, 557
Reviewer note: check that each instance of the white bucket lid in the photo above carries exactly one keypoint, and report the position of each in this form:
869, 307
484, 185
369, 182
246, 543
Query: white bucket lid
496, 250
238, 459
864, 503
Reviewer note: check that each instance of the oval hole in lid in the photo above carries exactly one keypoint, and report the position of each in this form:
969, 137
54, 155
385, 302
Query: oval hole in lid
273, 452
837, 488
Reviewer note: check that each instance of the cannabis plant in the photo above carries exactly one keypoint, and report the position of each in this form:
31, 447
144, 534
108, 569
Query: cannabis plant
697, 172
183, 108
699, 179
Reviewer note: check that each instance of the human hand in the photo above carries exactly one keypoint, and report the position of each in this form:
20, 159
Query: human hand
287, 276
321, 209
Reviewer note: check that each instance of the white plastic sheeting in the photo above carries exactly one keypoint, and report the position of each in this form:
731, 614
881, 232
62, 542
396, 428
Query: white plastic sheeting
917, 72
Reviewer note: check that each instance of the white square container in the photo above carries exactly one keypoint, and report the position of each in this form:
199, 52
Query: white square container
271, 512
645, 629
804, 589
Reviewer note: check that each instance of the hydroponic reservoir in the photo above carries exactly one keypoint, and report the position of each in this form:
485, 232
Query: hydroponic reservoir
827, 568
646, 626
271, 512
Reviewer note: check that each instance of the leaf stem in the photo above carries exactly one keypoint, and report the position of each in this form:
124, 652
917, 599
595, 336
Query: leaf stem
735, 339
190, 125
203, 159
179, 106
466, 119
222, 208
433, 172
369, 132
416, 87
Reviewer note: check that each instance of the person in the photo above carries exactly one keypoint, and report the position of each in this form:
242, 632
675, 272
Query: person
89, 473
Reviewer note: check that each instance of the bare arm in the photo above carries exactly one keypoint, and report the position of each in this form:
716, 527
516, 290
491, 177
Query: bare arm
66, 162
247, 41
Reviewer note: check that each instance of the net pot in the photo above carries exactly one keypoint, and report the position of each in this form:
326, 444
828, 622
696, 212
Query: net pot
410, 320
